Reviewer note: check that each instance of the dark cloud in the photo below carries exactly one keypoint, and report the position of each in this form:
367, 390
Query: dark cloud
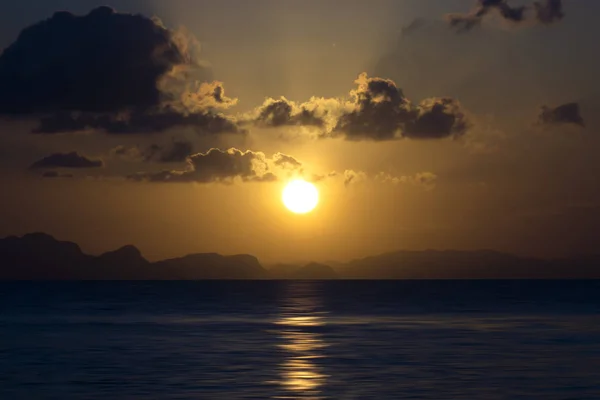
282, 112
463, 22
109, 71
176, 151
133, 153
376, 110
66, 160
380, 111
100, 62
546, 12
55, 174
138, 122
217, 166
437, 119
549, 11
564, 114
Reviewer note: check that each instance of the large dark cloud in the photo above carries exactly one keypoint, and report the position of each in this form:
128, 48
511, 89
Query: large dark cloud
376, 110
66, 160
380, 111
545, 12
109, 71
100, 62
568, 113
217, 166
138, 122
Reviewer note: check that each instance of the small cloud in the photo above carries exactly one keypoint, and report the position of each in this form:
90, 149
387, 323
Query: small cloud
205, 96
548, 11
226, 166
426, 180
544, 12
568, 113
284, 160
322, 177
353, 177
283, 112
66, 160
127, 153
176, 151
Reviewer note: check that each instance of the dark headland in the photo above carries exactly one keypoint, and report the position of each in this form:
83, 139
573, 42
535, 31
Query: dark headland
38, 256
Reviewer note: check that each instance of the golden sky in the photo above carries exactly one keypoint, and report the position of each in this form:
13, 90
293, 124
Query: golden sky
178, 133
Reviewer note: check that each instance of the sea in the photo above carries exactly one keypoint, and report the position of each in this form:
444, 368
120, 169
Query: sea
300, 340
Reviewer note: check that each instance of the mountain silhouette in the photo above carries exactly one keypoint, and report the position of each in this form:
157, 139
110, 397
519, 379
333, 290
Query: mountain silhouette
481, 264
315, 270
311, 270
39, 256
210, 266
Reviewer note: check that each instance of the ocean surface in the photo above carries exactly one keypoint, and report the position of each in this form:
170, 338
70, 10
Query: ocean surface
300, 340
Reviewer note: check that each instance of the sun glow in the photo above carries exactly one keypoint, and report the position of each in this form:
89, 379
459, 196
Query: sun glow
300, 196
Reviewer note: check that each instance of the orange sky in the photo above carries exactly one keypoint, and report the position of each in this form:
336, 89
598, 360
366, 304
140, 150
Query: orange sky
506, 181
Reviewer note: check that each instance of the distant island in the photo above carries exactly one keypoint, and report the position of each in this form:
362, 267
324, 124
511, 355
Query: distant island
39, 256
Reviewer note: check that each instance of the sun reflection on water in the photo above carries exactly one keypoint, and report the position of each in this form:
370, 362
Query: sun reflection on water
301, 342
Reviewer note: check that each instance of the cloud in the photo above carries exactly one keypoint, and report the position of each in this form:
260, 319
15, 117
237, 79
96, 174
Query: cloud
437, 118
322, 177
66, 160
427, 180
225, 166
353, 177
120, 73
176, 151
377, 110
380, 111
568, 113
283, 112
139, 122
206, 95
125, 153
286, 161
101, 62
549, 11
545, 12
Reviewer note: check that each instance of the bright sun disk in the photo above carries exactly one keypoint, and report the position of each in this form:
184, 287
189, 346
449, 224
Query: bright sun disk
300, 196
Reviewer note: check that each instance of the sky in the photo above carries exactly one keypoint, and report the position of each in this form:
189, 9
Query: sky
424, 124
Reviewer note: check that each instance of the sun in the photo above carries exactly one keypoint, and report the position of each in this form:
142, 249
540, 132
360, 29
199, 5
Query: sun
300, 196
